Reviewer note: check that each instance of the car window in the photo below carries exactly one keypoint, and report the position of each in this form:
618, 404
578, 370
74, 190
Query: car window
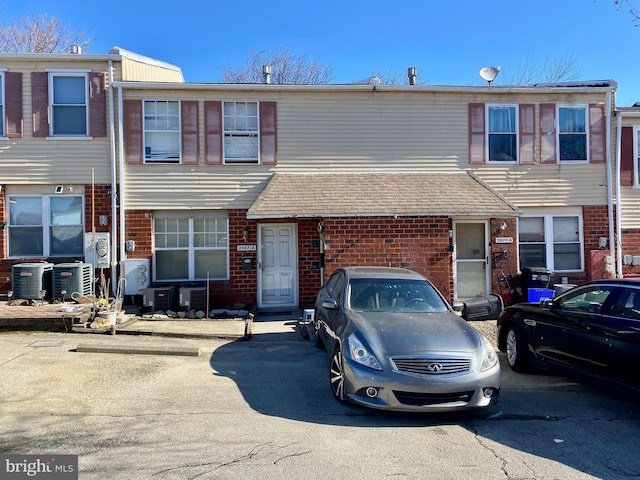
627, 305
391, 295
587, 300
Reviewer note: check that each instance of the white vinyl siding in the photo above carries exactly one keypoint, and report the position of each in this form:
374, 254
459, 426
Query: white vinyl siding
46, 226
554, 242
241, 126
502, 133
573, 141
68, 95
161, 131
192, 246
347, 132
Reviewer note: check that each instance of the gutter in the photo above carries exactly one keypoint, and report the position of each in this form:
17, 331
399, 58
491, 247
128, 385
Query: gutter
612, 247
618, 219
121, 175
114, 183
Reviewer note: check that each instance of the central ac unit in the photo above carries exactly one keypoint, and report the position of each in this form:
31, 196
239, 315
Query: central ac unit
31, 281
72, 278
158, 298
193, 298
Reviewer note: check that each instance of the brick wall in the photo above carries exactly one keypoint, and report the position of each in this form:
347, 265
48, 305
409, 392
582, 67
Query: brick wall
417, 243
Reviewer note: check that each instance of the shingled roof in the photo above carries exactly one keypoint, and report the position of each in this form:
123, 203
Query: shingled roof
369, 194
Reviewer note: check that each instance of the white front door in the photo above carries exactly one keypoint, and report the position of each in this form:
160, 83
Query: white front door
471, 268
277, 265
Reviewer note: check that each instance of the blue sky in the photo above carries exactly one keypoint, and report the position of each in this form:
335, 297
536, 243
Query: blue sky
447, 41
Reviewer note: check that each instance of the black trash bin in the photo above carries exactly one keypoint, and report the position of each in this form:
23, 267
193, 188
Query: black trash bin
535, 278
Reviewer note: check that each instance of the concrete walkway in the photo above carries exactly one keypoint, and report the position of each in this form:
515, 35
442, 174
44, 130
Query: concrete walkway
66, 317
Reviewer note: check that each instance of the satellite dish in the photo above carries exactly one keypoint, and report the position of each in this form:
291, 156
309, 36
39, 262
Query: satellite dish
489, 73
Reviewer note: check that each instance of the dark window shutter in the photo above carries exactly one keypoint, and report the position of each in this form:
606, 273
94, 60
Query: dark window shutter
527, 133
626, 157
268, 133
40, 103
597, 126
97, 105
132, 125
13, 94
548, 133
213, 132
476, 133
189, 114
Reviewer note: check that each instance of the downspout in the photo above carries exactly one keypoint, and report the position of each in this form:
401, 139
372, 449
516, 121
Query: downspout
121, 176
114, 183
612, 250
618, 219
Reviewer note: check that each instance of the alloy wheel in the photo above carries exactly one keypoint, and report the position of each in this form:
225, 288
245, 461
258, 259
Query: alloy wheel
336, 376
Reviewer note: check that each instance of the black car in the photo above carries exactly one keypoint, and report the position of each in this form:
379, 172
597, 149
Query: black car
592, 329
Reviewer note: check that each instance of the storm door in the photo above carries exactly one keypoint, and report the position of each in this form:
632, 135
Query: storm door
277, 265
471, 267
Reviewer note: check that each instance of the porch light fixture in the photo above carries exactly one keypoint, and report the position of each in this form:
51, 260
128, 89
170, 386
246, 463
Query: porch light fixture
245, 235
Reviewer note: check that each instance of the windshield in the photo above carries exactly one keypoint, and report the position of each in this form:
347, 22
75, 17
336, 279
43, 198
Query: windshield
391, 295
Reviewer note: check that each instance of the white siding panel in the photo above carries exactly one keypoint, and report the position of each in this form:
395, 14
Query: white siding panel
551, 185
30, 160
159, 187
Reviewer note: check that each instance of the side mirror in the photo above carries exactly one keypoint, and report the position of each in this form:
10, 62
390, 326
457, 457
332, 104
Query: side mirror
458, 307
330, 304
546, 303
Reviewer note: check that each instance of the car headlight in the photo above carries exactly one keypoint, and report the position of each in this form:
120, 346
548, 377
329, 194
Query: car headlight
361, 355
489, 355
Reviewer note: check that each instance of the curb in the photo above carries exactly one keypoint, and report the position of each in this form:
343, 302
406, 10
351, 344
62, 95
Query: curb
137, 349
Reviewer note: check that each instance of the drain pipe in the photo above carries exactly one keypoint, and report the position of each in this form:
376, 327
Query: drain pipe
121, 176
612, 250
618, 219
114, 208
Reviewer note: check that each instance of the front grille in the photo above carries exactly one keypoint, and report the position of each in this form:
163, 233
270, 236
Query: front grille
417, 399
431, 365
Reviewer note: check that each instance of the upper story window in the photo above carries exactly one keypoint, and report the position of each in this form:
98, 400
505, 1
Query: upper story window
241, 140
502, 133
69, 93
572, 133
636, 154
47, 225
162, 131
551, 241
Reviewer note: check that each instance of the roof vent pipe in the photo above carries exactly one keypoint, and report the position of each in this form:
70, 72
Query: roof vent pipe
411, 73
266, 73
76, 49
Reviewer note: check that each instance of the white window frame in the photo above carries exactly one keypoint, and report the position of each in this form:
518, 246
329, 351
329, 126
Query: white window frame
488, 133
548, 237
161, 157
68, 73
585, 108
240, 133
3, 104
636, 155
190, 248
46, 225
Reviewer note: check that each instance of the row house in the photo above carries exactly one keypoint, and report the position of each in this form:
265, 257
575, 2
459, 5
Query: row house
259, 191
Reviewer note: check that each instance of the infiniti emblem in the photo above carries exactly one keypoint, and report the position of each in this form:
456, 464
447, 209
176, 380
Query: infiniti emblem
434, 367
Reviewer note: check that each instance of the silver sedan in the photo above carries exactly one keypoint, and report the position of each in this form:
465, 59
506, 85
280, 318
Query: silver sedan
396, 344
